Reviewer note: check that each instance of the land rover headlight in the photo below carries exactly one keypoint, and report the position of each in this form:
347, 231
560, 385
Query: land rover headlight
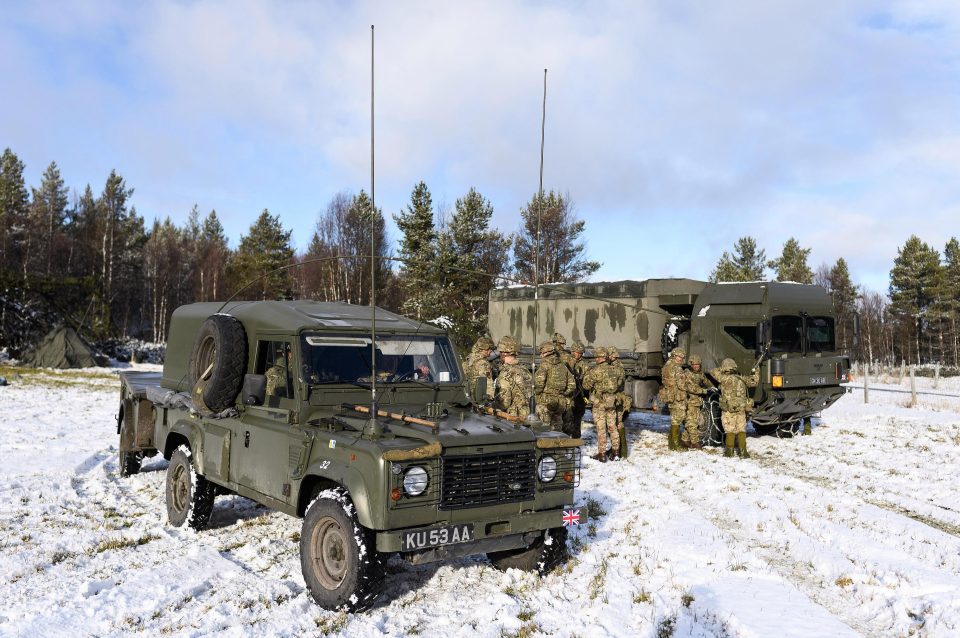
415, 481
547, 469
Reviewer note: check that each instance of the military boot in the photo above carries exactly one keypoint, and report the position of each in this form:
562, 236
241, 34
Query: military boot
807, 427
674, 437
601, 456
728, 441
742, 445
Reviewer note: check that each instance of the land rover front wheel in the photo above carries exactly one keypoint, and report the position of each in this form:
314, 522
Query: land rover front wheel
547, 552
189, 495
340, 563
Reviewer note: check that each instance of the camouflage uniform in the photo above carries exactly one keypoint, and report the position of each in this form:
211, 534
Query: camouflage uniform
560, 343
513, 382
602, 382
277, 380
696, 387
624, 401
477, 365
554, 386
580, 368
673, 392
735, 403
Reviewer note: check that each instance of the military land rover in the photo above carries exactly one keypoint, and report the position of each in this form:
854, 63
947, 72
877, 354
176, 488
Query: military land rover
270, 400
786, 330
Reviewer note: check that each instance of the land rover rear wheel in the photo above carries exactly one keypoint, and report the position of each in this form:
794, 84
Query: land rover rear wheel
340, 563
547, 552
189, 495
130, 463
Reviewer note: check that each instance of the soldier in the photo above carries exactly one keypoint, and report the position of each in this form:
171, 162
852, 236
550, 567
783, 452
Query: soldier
513, 382
554, 386
277, 373
735, 403
601, 382
560, 343
623, 401
580, 396
674, 394
696, 387
477, 366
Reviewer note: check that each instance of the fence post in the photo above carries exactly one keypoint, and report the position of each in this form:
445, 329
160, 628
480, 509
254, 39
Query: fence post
913, 388
936, 376
866, 383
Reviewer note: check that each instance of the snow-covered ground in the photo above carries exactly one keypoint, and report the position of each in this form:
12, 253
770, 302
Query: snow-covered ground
852, 531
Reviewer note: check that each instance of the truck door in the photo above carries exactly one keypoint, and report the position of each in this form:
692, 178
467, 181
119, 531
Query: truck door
266, 434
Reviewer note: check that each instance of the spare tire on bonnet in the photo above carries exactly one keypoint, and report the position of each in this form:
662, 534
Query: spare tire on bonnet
218, 363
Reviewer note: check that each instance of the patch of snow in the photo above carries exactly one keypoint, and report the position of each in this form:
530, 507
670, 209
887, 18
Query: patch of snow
703, 311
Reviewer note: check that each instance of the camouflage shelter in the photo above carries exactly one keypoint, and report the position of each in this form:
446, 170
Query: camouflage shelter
63, 348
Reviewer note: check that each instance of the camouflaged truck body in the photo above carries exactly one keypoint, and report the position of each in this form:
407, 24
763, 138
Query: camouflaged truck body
794, 324
483, 489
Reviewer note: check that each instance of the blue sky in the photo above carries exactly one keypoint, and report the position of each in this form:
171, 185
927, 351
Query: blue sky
676, 127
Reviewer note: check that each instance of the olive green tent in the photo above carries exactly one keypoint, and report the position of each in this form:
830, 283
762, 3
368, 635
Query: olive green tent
63, 348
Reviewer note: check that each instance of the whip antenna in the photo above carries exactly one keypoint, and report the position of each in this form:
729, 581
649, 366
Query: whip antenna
373, 428
532, 418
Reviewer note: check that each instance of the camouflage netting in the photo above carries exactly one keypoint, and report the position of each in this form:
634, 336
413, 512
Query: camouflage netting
63, 348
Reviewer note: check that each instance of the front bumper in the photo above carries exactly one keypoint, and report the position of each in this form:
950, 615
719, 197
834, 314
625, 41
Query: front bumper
495, 534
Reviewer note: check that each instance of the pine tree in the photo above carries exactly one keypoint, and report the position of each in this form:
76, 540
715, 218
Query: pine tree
947, 306
470, 256
48, 214
418, 248
212, 256
14, 203
264, 249
913, 284
792, 263
746, 264
844, 295
561, 249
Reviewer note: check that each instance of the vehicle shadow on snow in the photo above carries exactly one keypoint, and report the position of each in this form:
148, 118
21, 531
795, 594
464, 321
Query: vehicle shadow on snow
232, 509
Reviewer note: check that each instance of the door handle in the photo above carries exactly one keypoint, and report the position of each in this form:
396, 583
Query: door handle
246, 439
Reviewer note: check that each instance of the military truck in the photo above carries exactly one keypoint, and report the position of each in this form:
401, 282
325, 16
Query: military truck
270, 400
787, 330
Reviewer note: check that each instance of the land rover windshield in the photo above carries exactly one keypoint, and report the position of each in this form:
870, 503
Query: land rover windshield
345, 358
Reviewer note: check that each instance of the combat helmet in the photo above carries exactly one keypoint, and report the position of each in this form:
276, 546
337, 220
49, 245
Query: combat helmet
599, 352
483, 343
547, 347
728, 365
695, 360
678, 352
559, 339
577, 347
613, 353
508, 345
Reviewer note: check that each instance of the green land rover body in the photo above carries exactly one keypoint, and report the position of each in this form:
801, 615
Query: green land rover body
270, 400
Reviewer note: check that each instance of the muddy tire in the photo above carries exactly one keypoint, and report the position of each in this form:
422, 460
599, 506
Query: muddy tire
189, 495
547, 552
130, 463
218, 361
341, 566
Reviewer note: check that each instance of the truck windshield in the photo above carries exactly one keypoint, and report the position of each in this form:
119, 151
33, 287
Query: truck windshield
345, 358
786, 334
820, 334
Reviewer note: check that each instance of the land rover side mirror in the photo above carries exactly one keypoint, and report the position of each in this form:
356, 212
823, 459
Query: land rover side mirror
763, 333
479, 389
254, 389
856, 329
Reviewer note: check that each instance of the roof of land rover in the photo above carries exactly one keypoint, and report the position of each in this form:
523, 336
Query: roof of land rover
293, 316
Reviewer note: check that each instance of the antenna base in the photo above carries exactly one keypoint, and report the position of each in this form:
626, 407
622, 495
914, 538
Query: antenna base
373, 428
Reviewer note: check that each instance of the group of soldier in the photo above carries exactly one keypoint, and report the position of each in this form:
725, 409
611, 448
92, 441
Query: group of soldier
684, 390
562, 385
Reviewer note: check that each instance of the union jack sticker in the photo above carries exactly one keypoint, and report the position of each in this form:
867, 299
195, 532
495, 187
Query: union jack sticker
571, 517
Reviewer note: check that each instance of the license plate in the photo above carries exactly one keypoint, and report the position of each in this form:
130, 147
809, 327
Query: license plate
817, 380
435, 536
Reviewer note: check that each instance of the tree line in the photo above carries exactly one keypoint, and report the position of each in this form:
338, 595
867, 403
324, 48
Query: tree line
89, 258
914, 322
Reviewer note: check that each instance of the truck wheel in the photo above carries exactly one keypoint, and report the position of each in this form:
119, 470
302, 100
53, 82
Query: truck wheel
542, 556
130, 463
189, 495
218, 361
341, 566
